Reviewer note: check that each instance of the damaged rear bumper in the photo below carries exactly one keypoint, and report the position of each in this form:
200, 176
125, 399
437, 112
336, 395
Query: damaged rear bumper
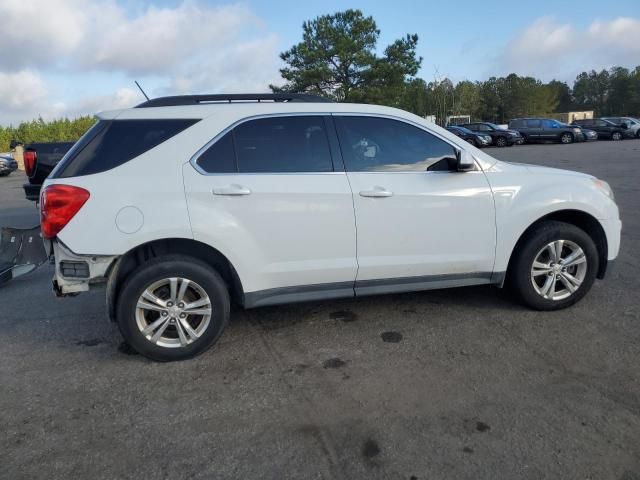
76, 273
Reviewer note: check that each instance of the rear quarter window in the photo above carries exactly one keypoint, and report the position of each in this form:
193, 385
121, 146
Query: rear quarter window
111, 143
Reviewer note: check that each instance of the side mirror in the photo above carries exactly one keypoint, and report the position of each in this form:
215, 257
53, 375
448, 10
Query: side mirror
466, 162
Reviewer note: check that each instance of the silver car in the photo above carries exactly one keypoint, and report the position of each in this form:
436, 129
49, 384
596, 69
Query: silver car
7, 164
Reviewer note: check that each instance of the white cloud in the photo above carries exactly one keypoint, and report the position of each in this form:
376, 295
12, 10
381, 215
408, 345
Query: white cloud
36, 32
122, 98
245, 67
548, 48
187, 48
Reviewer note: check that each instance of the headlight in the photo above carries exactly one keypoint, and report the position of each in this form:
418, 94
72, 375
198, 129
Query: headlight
604, 187
577, 130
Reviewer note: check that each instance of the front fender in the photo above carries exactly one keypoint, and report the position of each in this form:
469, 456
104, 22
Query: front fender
521, 202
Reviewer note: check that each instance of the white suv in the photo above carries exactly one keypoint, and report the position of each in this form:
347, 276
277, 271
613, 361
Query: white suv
183, 204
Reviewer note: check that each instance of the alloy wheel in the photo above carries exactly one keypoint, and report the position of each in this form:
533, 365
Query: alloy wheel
558, 270
566, 138
173, 312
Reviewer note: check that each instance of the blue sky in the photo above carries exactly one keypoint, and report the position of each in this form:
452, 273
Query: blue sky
84, 54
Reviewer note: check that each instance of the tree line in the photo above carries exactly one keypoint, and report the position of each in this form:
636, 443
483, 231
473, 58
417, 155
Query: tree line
337, 58
60, 130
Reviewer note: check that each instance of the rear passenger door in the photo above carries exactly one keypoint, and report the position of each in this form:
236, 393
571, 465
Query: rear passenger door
534, 129
420, 222
272, 195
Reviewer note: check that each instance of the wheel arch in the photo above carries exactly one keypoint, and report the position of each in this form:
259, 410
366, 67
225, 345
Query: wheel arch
581, 219
135, 257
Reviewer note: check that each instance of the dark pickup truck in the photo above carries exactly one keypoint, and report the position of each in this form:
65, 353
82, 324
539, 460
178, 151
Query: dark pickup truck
39, 160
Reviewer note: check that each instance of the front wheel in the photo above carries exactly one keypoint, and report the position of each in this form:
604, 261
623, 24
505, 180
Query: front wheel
554, 267
501, 142
173, 308
566, 138
616, 136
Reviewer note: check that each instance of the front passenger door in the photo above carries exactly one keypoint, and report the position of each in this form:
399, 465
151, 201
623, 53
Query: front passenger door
418, 220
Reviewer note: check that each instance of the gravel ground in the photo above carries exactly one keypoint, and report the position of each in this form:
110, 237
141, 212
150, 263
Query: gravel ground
460, 383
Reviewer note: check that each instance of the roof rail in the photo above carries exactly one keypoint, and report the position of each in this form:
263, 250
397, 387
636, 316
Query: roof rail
234, 97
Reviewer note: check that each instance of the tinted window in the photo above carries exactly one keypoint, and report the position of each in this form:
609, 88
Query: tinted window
372, 144
550, 124
219, 157
283, 144
601, 123
516, 124
114, 142
484, 128
533, 123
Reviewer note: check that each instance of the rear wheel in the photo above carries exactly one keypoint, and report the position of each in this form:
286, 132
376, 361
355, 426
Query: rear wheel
173, 308
501, 142
554, 267
616, 136
566, 138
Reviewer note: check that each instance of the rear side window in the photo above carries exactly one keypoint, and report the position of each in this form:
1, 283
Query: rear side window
371, 144
517, 124
534, 123
292, 144
220, 157
283, 144
112, 143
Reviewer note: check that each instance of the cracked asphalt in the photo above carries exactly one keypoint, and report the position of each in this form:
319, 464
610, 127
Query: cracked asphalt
460, 383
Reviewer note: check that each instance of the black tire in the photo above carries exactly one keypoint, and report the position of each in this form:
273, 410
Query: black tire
566, 138
638, 134
520, 275
4, 174
616, 136
501, 142
166, 267
471, 141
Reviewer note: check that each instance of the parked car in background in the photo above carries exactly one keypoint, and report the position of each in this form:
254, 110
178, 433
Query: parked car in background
589, 134
475, 139
604, 128
7, 164
633, 125
499, 136
546, 130
183, 204
39, 161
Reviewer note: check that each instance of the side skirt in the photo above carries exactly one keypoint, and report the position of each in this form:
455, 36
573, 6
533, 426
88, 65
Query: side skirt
327, 291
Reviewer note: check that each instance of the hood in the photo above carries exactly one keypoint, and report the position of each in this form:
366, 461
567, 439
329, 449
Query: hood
538, 169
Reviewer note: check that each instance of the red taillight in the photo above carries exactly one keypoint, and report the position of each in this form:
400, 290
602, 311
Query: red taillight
58, 205
30, 158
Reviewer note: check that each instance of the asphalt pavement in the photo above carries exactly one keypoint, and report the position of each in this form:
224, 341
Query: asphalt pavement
461, 383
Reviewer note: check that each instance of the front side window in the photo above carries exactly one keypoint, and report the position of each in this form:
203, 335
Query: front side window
371, 144
533, 123
283, 144
484, 128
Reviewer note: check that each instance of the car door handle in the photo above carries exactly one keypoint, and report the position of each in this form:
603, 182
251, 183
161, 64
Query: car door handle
376, 192
233, 189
